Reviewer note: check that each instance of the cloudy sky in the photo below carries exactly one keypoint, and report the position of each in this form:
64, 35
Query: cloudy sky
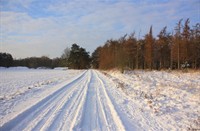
47, 27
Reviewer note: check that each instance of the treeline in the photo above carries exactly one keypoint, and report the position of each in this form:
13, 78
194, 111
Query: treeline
35, 62
177, 50
74, 58
6, 60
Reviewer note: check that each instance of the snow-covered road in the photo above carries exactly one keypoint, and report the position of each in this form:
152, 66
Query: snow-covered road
88, 100
82, 104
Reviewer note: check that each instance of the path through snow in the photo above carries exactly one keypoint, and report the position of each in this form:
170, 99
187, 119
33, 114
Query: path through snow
82, 104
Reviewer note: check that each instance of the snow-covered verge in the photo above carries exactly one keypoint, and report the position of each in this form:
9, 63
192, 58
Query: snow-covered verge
158, 100
21, 88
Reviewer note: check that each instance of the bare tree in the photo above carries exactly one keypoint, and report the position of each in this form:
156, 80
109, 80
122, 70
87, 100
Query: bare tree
66, 53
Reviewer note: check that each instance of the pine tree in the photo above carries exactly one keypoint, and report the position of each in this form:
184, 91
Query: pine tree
149, 49
177, 44
79, 58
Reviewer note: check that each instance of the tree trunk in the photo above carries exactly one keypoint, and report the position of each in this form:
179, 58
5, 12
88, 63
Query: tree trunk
178, 55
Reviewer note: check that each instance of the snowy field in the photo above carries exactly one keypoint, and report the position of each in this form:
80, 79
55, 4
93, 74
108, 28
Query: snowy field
58, 100
21, 88
168, 100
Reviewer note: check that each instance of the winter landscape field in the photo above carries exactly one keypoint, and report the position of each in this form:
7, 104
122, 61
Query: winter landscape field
60, 99
99, 65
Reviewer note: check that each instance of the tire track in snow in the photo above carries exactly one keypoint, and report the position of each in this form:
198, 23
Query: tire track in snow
80, 103
63, 101
115, 116
46, 118
63, 119
93, 114
102, 109
98, 111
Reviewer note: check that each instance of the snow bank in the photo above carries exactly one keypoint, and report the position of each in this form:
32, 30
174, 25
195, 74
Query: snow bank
61, 68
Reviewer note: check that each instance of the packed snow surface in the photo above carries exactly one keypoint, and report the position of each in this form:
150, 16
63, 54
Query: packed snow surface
59, 100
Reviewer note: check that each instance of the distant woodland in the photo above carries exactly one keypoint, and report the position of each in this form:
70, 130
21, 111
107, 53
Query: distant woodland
177, 50
74, 58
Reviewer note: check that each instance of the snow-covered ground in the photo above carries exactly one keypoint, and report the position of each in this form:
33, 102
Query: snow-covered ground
171, 100
21, 88
45, 99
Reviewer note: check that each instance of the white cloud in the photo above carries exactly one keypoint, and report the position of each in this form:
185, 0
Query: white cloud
89, 23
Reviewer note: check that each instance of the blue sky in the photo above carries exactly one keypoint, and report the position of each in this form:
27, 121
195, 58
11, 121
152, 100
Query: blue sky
47, 27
